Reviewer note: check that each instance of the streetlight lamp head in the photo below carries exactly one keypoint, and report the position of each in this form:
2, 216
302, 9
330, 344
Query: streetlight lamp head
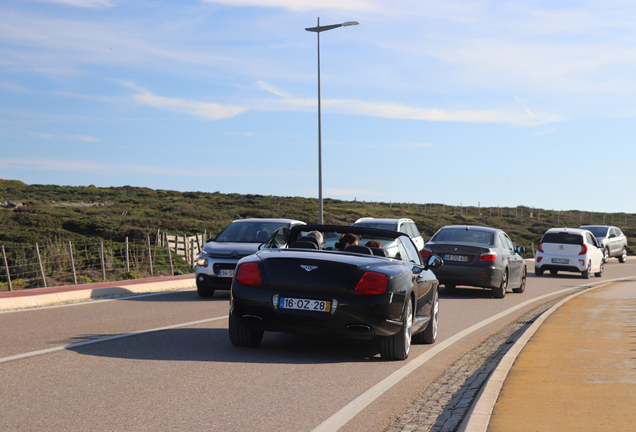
350, 23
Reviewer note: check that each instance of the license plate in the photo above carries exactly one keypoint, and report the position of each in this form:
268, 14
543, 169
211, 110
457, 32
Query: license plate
460, 258
304, 304
560, 260
226, 272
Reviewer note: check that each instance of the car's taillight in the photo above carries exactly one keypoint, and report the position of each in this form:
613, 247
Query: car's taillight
488, 257
583, 249
539, 259
540, 247
249, 274
426, 253
372, 283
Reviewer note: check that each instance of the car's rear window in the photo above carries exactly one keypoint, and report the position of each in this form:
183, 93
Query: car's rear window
597, 231
391, 226
462, 235
563, 238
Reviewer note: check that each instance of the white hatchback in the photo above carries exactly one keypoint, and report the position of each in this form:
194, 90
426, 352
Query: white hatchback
569, 250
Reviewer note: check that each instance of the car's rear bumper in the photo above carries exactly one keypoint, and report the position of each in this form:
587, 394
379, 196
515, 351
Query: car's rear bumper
574, 265
482, 277
357, 317
213, 283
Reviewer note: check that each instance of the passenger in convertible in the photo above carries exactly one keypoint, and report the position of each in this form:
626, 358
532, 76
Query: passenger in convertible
347, 239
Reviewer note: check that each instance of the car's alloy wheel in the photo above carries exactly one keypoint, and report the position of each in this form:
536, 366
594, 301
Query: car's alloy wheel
588, 270
606, 256
522, 288
398, 346
623, 257
243, 336
501, 291
429, 335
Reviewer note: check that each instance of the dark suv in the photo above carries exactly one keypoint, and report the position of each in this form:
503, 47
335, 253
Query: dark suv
612, 239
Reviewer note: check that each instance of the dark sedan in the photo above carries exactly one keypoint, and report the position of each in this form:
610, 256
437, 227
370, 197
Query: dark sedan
479, 257
313, 285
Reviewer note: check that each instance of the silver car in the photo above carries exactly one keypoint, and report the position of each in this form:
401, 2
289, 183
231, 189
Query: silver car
612, 239
217, 261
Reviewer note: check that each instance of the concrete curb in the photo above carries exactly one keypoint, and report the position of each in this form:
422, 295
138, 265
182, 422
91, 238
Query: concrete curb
31, 301
478, 417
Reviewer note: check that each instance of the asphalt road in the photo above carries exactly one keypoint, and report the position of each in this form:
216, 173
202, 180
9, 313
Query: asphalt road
165, 362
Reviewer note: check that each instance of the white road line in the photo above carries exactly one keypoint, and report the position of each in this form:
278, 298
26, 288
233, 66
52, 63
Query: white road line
349, 411
105, 339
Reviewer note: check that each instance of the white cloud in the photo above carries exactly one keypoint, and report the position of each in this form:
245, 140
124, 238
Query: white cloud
272, 89
105, 169
84, 138
204, 110
90, 4
304, 5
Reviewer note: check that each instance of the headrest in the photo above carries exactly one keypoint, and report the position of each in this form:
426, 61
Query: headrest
377, 251
304, 245
359, 249
311, 239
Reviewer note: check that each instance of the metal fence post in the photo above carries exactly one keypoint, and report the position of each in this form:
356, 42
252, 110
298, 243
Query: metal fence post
37, 250
150, 257
6, 268
127, 257
70, 254
101, 259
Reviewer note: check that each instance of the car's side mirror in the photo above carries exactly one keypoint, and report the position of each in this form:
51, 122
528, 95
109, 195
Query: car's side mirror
434, 262
521, 249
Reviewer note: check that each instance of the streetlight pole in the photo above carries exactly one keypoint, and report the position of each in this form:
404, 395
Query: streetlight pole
317, 30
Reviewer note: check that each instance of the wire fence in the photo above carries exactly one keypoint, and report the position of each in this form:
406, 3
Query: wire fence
58, 263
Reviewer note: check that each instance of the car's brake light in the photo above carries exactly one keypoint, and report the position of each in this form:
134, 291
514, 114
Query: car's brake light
372, 283
540, 247
488, 257
424, 253
583, 249
249, 274
539, 259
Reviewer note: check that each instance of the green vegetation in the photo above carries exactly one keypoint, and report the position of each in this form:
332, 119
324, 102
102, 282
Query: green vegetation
55, 215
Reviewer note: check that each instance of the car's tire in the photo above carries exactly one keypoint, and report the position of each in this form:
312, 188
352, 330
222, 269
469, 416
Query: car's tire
600, 272
205, 293
538, 272
588, 270
429, 335
554, 272
243, 336
623, 256
522, 288
606, 255
500, 292
398, 346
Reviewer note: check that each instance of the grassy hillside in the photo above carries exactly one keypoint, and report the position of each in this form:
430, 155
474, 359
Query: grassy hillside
80, 213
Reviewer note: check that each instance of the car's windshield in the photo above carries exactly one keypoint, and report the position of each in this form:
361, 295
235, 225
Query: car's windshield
563, 238
331, 241
391, 226
463, 235
597, 231
250, 232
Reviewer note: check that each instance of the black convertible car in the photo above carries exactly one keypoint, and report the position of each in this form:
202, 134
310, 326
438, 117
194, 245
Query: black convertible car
313, 285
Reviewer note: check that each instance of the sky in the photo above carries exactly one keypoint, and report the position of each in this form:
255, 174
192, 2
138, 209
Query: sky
473, 103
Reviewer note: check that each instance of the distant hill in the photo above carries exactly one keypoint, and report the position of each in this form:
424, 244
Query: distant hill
77, 213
